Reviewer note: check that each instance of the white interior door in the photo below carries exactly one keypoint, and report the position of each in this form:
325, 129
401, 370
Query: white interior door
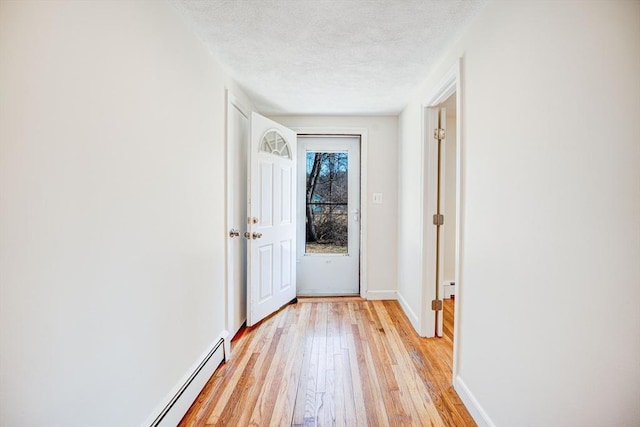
440, 237
271, 234
430, 260
328, 215
237, 155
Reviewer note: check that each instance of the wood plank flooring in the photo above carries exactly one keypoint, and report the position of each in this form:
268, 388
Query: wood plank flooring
447, 320
333, 362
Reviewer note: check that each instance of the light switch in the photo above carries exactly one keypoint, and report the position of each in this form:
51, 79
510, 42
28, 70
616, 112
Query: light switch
377, 198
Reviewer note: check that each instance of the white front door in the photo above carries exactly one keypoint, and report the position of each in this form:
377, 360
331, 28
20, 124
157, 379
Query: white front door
328, 215
271, 234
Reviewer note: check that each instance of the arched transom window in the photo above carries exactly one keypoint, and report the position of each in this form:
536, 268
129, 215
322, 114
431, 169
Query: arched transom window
273, 142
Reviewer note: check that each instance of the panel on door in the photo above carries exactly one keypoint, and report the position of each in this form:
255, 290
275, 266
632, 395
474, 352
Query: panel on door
271, 220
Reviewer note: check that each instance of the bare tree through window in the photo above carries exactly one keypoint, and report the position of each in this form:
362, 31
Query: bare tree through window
327, 202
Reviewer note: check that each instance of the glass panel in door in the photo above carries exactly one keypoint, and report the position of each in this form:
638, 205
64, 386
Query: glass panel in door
327, 198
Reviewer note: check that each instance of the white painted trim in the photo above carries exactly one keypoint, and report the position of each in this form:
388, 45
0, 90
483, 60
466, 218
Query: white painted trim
232, 102
447, 86
189, 395
364, 135
364, 167
411, 315
476, 411
382, 295
457, 273
418, 323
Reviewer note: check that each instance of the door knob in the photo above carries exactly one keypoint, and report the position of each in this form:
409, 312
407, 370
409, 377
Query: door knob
234, 233
256, 235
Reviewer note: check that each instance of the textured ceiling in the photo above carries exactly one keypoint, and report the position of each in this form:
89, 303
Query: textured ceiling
328, 56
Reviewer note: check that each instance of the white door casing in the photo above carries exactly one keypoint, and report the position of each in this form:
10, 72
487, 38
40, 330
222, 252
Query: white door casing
326, 273
237, 155
271, 235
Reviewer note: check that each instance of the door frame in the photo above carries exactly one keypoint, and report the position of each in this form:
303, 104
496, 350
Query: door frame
450, 84
363, 134
231, 102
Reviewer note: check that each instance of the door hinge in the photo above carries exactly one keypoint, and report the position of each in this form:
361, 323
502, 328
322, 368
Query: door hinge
438, 219
438, 133
436, 305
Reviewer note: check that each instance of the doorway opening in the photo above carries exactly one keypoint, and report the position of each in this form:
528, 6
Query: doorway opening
443, 211
328, 235
447, 185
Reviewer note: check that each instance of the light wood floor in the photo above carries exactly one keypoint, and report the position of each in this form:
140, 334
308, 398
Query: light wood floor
447, 321
333, 361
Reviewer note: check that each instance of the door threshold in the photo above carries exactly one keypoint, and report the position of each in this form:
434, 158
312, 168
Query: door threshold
330, 298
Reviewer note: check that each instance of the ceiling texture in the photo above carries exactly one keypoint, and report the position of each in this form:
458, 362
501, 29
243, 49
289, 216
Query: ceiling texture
345, 57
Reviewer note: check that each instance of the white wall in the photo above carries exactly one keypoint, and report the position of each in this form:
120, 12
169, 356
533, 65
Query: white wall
381, 162
410, 201
550, 281
111, 182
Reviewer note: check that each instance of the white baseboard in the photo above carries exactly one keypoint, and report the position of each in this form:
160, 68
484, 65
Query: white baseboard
473, 406
171, 410
382, 295
227, 344
415, 320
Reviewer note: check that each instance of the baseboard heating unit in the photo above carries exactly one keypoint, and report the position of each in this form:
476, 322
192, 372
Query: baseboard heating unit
179, 404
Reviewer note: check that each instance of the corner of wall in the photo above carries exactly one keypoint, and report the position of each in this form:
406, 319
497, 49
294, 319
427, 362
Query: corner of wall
382, 295
413, 318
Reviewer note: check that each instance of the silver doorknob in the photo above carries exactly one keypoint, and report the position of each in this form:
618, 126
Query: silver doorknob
234, 233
